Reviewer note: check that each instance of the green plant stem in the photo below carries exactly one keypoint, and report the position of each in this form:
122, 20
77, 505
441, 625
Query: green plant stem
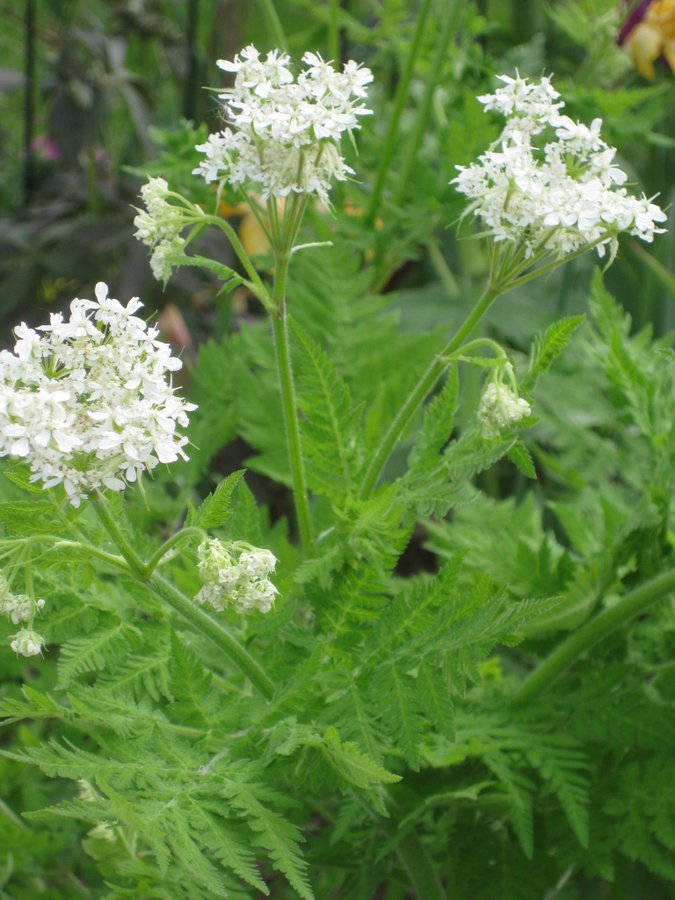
175, 539
289, 404
133, 560
214, 631
593, 631
392, 137
274, 23
181, 604
419, 868
419, 131
334, 32
244, 258
420, 391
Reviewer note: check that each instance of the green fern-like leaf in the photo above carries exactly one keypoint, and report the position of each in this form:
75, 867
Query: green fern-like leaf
437, 424
277, 835
329, 423
352, 764
550, 345
519, 789
97, 651
395, 690
564, 768
216, 509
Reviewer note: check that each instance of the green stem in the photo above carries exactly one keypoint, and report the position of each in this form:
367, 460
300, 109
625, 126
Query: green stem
274, 23
392, 137
289, 404
419, 131
133, 560
461, 353
596, 629
334, 32
214, 631
58, 542
181, 604
175, 539
244, 258
420, 391
419, 868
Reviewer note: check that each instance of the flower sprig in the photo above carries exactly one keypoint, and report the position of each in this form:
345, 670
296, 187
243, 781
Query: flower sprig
237, 575
285, 132
549, 184
87, 402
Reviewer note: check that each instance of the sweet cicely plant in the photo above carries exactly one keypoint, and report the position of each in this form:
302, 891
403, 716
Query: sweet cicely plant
286, 686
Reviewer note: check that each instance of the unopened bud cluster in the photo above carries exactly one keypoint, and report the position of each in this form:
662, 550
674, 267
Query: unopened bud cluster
500, 406
159, 226
236, 575
21, 608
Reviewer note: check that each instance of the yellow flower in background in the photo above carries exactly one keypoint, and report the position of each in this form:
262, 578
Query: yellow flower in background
251, 233
652, 37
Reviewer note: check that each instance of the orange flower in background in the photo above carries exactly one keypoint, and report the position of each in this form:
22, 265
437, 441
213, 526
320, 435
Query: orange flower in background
649, 35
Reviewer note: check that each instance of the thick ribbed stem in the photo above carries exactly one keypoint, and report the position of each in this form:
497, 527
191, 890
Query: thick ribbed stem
215, 632
200, 620
289, 407
593, 631
420, 391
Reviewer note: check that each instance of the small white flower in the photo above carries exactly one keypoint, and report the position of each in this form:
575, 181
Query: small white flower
27, 643
549, 183
88, 402
240, 581
285, 133
500, 407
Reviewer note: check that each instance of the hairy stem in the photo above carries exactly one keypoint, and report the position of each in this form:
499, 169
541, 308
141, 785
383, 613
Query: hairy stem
596, 629
289, 403
184, 534
215, 632
419, 392
133, 560
200, 620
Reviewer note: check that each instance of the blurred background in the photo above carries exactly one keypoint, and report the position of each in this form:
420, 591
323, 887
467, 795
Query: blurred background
95, 94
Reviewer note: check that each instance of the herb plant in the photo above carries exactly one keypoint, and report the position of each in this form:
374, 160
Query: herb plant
250, 703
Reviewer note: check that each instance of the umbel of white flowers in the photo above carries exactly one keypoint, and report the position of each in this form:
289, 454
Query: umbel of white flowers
550, 183
88, 402
235, 575
284, 133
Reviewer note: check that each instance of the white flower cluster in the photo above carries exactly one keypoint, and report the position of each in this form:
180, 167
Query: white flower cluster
285, 133
499, 408
18, 607
159, 226
237, 576
21, 608
86, 402
27, 642
549, 182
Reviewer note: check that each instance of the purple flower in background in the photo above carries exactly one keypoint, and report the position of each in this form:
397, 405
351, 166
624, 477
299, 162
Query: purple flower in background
636, 15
